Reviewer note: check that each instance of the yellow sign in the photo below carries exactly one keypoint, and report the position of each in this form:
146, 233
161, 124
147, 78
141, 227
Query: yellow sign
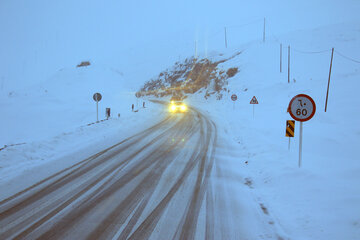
290, 128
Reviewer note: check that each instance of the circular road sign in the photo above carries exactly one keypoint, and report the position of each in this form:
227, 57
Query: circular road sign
97, 97
234, 97
302, 108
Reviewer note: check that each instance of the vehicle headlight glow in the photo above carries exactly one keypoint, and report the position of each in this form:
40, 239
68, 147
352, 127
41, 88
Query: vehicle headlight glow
183, 108
173, 108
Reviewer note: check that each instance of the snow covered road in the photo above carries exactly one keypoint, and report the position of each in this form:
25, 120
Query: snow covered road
156, 184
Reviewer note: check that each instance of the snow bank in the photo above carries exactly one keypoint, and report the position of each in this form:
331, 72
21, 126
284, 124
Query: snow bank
321, 199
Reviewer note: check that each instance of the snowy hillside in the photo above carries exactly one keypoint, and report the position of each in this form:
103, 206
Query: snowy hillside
62, 102
48, 113
309, 202
317, 201
320, 200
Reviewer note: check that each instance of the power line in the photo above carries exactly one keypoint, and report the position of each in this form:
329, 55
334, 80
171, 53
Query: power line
310, 52
276, 38
346, 57
234, 26
246, 24
215, 33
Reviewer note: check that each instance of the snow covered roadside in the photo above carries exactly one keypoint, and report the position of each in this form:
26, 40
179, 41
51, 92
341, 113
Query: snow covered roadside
321, 199
52, 120
26, 164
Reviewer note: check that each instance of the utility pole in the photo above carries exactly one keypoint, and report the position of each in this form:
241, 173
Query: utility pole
289, 64
327, 92
280, 57
264, 32
195, 50
206, 51
225, 39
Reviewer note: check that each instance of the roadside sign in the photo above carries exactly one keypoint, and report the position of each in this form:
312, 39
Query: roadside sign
290, 128
254, 100
234, 98
302, 108
97, 97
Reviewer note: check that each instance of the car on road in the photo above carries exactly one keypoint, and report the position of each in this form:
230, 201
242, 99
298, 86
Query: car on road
177, 106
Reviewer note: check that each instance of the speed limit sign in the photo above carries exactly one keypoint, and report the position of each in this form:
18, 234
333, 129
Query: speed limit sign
302, 108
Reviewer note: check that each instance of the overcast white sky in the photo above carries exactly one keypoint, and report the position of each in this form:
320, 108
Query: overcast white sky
39, 37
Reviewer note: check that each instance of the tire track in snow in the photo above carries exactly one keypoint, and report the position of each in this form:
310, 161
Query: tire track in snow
46, 180
187, 227
104, 176
71, 176
103, 194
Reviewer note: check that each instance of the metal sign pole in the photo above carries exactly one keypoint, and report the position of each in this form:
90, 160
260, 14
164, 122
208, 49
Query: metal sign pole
253, 111
97, 97
290, 130
97, 111
300, 143
233, 98
289, 143
301, 108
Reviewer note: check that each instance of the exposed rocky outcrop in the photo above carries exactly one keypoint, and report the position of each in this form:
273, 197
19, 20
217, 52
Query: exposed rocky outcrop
190, 76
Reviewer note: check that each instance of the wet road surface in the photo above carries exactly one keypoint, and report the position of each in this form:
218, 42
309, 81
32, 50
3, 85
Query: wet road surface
157, 184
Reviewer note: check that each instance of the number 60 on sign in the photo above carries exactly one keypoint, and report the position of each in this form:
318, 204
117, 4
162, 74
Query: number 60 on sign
302, 108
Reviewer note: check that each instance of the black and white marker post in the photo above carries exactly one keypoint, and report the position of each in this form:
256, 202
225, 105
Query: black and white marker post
301, 108
97, 98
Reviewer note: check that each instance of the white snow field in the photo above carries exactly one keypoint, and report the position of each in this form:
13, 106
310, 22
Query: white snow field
46, 102
321, 199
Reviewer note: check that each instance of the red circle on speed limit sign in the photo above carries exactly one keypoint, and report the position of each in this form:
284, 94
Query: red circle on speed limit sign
302, 108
